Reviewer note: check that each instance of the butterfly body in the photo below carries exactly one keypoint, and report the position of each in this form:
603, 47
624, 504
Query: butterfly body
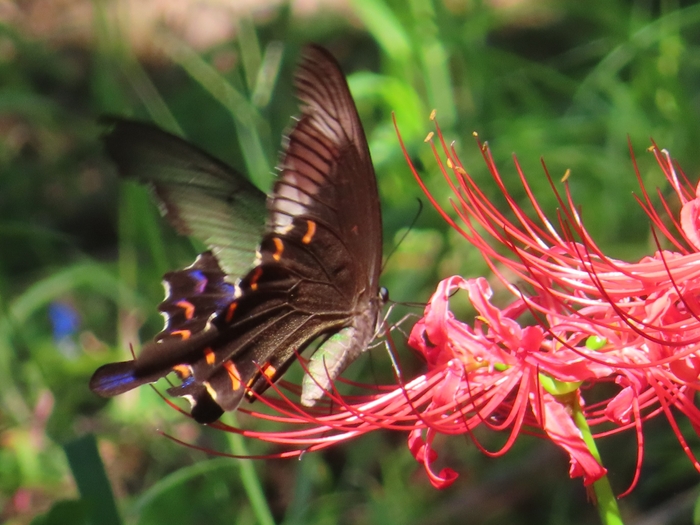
314, 275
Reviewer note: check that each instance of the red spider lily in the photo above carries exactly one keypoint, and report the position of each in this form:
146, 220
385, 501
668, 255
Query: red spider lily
602, 319
597, 321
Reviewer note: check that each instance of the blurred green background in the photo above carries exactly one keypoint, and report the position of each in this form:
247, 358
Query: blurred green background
81, 255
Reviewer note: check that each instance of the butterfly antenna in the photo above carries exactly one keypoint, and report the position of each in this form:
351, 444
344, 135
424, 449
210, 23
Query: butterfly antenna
408, 230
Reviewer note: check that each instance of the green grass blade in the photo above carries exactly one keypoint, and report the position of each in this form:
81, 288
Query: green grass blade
248, 121
385, 27
91, 479
249, 478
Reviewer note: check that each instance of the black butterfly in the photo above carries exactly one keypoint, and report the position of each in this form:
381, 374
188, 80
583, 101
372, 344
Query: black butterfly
315, 273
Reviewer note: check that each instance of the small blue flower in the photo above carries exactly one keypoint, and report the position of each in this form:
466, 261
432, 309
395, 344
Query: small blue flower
64, 320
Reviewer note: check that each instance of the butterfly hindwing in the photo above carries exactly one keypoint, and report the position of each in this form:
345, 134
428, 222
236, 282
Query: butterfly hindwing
193, 296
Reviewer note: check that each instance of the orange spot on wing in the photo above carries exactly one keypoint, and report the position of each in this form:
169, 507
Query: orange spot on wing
279, 245
254, 280
234, 374
231, 309
310, 232
184, 371
184, 334
188, 307
269, 371
209, 356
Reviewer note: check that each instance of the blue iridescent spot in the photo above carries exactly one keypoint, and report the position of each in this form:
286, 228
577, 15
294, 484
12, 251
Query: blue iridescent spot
117, 381
187, 381
201, 280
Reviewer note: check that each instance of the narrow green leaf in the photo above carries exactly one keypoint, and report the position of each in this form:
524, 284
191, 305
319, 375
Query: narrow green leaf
91, 478
250, 50
64, 512
381, 22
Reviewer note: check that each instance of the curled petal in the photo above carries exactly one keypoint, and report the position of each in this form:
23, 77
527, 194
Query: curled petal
619, 409
686, 368
445, 393
690, 220
424, 454
561, 429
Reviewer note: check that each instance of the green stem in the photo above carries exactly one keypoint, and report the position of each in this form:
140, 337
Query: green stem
250, 480
606, 502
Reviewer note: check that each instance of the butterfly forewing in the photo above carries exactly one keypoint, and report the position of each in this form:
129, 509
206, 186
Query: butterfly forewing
325, 223
327, 174
198, 194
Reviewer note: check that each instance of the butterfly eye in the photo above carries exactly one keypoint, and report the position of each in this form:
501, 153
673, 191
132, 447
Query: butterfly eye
383, 295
